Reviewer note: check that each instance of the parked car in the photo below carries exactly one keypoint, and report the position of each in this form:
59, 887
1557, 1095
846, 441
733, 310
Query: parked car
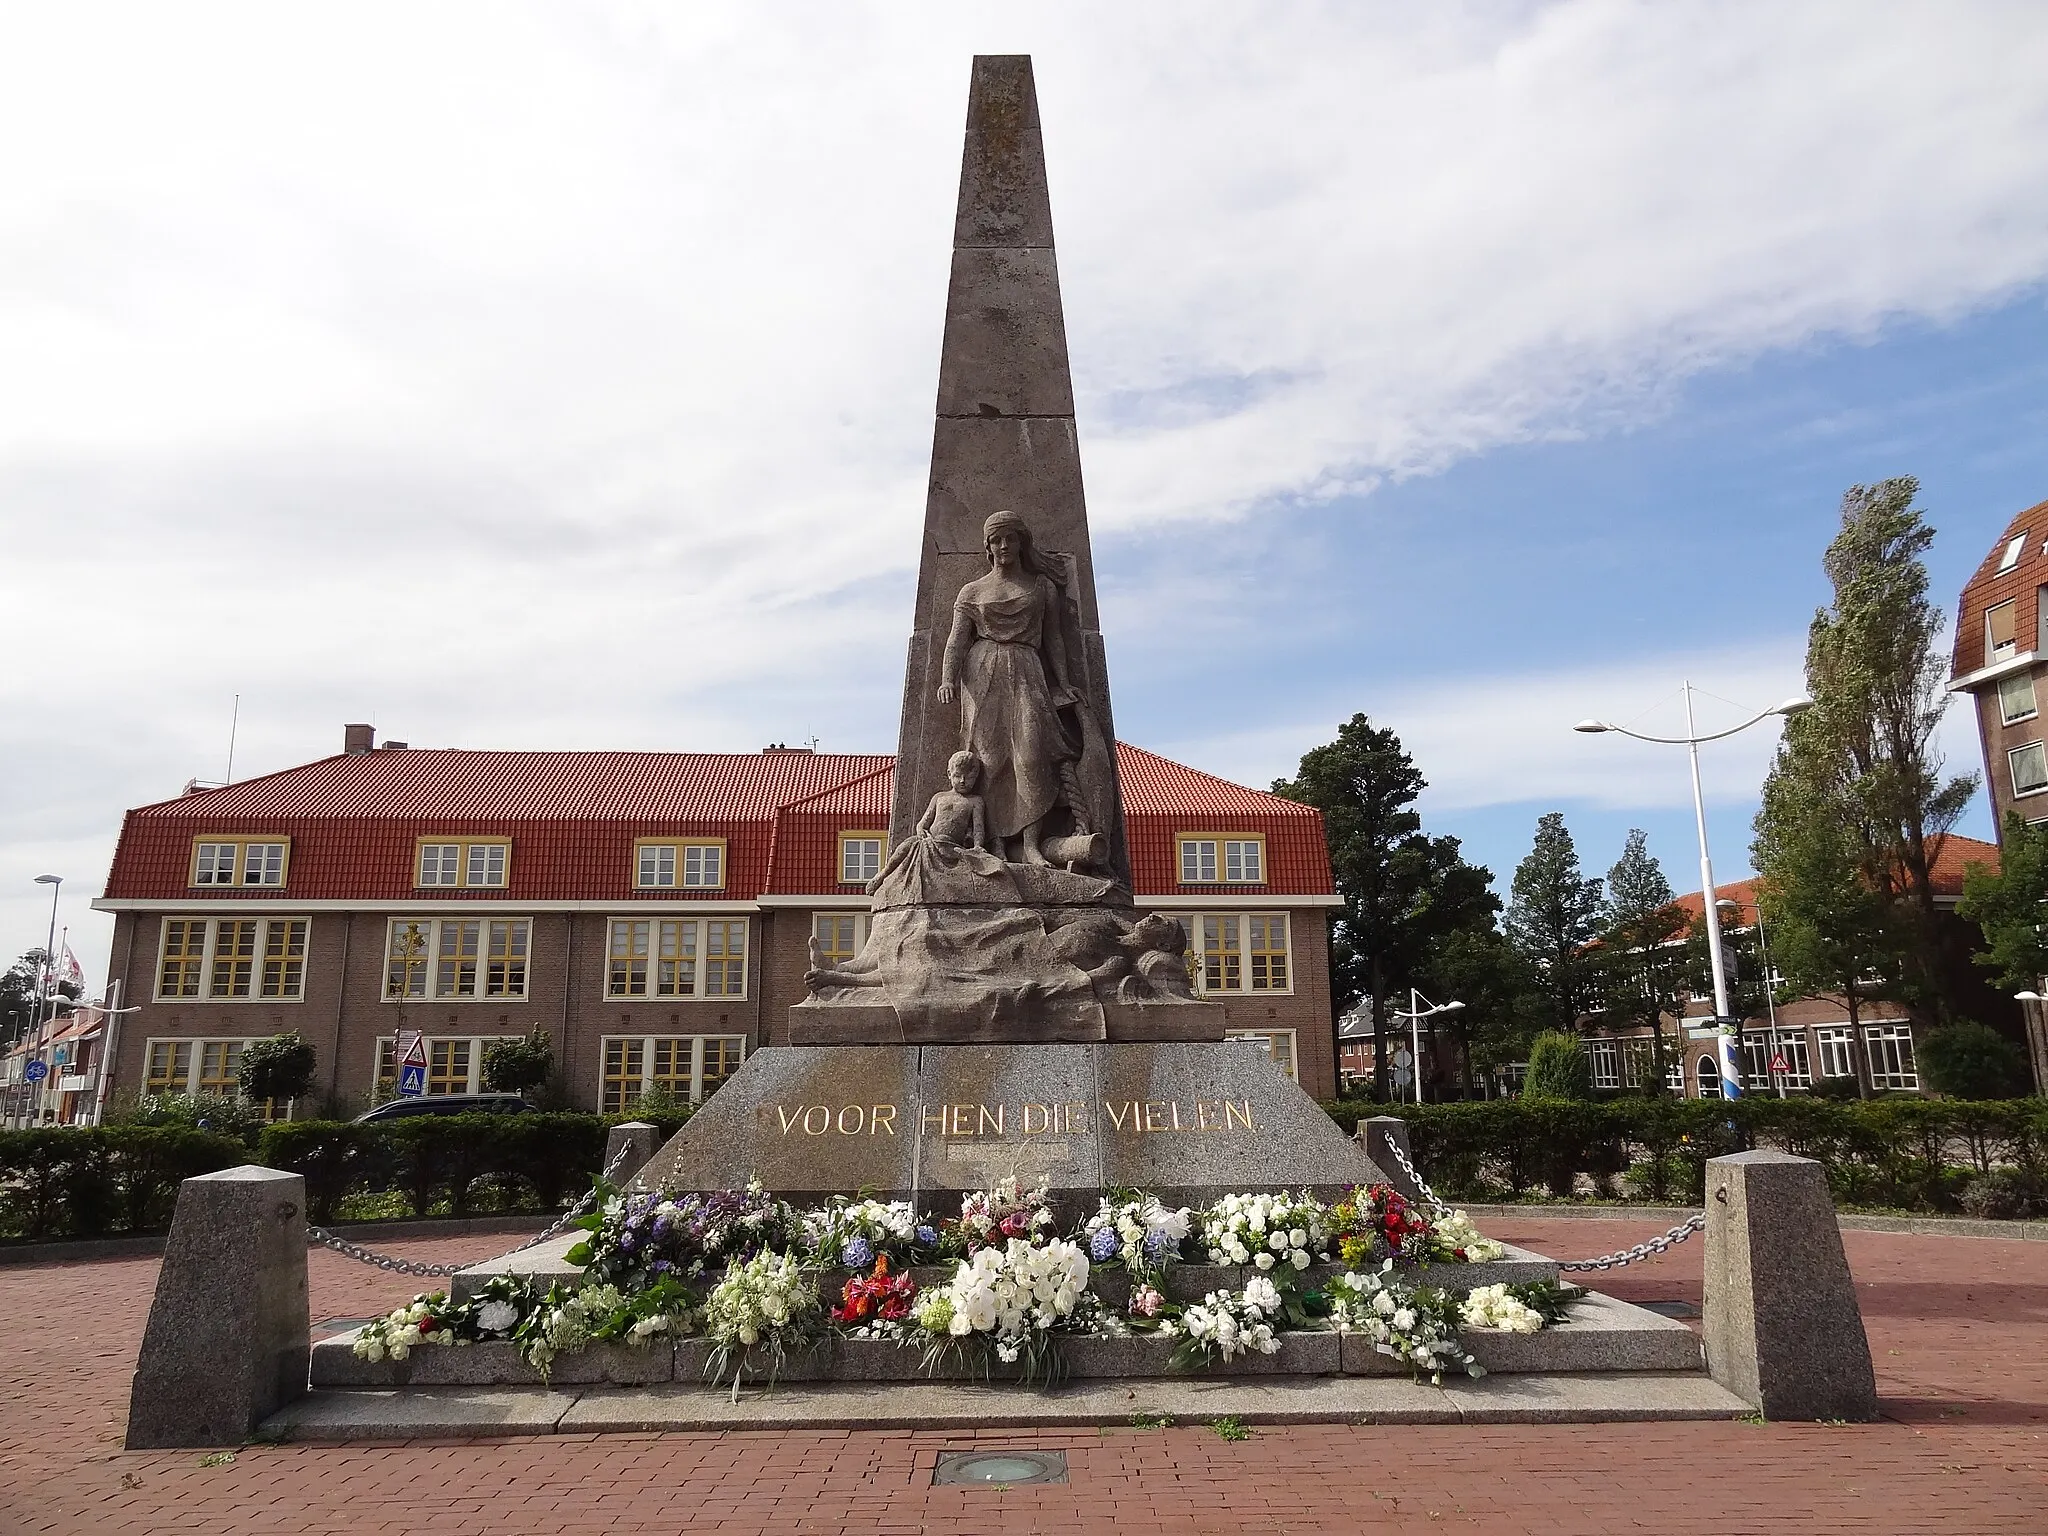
448, 1104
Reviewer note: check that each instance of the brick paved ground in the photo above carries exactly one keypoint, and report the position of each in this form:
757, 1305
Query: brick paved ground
1959, 1329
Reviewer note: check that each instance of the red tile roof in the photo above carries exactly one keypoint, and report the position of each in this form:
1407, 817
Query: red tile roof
1956, 854
1989, 587
353, 821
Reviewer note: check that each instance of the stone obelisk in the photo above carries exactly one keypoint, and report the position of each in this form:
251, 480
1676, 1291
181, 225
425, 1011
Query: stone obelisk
1005, 439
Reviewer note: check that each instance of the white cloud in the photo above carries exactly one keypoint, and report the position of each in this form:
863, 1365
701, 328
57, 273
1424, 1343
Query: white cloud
562, 376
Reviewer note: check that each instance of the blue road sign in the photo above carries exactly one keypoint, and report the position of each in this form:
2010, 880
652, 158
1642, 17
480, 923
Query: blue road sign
36, 1071
412, 1080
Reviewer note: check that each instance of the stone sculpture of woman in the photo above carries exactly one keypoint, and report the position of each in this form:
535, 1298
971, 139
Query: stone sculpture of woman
1006, 661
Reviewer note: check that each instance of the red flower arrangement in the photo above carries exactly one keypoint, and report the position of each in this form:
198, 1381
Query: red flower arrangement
877, 1298
1377, 1222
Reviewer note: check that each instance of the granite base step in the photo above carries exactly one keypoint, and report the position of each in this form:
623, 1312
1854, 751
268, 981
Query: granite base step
457, 1413
1600, 1335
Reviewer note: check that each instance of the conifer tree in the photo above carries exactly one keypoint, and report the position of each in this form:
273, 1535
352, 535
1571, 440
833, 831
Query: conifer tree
1553, 911
1643, 964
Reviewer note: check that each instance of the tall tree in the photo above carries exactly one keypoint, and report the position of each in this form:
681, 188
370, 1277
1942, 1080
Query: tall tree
1642, 968
1503, 1009
1401, 888
18, 1000
1867, 747
1832, 930
1553, 912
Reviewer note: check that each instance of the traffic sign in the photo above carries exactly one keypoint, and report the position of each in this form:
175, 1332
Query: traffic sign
1780, 1064
1402, 1060
411, 1048
36, 1071
1401, 1076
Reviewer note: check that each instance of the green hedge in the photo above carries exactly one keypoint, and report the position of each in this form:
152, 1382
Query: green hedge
1906, 1154
527, 1162
61, 1181
75, 1181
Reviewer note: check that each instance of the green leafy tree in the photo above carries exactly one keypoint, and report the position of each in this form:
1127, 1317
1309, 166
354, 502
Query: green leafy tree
280, 1067
2010, 906
1558, 1068
518, 1064
18, 999
1967, 1060
1401, 888
1642, 969
1867, 748
1831, 930
1553, 914
1503, 1008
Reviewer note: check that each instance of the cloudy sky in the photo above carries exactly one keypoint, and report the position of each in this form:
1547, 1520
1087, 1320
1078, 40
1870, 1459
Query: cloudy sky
561, 376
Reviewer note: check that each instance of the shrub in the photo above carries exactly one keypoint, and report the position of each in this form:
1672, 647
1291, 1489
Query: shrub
1840, 1090
1558, 1068
1973, 1061
519, 1064
227, 1115
280, 1067
81, 1181
2008, 1194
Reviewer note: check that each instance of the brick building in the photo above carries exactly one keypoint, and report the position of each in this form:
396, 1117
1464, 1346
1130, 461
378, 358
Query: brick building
2001, 654
1810, 1035
652, 912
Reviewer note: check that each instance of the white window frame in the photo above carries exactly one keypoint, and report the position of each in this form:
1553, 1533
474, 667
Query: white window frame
2006, 714
264, 922
2012, 765
1893, 1065
1215, 851
647, 1043
431, 927
1193, 924
1993, 653
199, 1043
2010, 556
680, 875
472, 1081
1834, 1042
466, 851
851, 874
860, 925
1605, 1057
1707, 1070
238, 867
1268, 1039
700, 966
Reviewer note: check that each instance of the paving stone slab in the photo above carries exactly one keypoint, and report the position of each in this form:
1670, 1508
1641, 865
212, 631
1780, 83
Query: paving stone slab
1606, 1399
1599, 1334
441, 1413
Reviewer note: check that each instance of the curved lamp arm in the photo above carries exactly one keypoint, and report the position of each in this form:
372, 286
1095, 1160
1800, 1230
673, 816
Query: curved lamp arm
1789, 708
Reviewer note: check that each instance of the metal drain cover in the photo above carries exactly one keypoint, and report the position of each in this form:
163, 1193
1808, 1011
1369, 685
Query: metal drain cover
1005, 1469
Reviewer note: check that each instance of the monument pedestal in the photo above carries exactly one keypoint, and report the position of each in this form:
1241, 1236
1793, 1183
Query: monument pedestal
816, 1022
1189, 1121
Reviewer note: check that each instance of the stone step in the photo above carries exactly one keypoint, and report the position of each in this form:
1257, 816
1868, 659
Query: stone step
1601, 1335
547, 1262
455, 1412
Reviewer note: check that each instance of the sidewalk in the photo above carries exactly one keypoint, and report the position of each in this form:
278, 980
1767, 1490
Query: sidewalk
1959, 1331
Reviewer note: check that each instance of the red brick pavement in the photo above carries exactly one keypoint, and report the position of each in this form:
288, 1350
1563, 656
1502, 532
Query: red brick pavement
1959, 1329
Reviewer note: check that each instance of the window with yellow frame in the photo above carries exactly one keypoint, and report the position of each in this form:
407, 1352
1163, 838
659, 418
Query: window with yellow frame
220, 859
233, 958
860, 856
1222, 858
462, 863
679, 863
685, 1067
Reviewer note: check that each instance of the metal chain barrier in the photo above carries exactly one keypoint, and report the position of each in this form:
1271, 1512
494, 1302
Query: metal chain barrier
1644, 1250
1649, 1250
396, 1265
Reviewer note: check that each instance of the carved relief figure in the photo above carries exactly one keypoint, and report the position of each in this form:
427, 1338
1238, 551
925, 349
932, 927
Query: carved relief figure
1007, 661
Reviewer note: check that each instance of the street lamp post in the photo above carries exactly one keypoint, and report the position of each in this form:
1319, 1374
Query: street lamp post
1731, 1071
47, 987
1415, 1015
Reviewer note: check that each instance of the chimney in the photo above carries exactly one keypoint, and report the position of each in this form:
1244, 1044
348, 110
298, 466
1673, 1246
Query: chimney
358, 738
392, 746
